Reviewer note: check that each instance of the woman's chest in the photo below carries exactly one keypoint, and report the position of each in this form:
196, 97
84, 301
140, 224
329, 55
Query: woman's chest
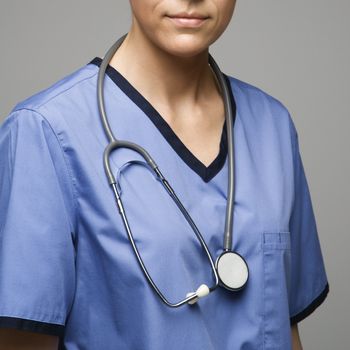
263, 190
166, 242
263, 199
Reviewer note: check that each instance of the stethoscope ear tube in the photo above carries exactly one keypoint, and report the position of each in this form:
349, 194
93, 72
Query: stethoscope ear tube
232, 268
114, 144
100, 83
229, 127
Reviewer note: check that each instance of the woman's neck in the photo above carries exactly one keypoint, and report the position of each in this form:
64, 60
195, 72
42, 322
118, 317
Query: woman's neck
161, 76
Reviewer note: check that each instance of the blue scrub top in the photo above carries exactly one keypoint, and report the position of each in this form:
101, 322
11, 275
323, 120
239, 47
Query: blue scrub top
66, 265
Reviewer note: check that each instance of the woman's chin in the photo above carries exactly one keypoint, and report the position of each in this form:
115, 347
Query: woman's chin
185, 46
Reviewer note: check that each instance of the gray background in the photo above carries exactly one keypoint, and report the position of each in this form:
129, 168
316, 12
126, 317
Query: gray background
297, 51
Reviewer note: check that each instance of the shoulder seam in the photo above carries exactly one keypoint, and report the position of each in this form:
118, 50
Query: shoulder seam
10, 160
68, 168
249, 86
58, 94
294, 140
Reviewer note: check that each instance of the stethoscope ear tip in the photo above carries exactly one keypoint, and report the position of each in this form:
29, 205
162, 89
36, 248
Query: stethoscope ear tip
202, 291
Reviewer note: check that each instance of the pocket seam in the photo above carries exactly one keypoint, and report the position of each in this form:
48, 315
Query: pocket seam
273, 244
276, 240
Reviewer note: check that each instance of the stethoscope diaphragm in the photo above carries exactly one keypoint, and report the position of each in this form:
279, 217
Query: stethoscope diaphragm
232, 270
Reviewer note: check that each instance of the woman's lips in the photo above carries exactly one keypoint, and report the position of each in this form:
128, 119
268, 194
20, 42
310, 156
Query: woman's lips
192, 22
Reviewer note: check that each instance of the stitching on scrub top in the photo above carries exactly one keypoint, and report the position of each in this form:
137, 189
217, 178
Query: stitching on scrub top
68, 169
35, 316
264, 295
294, 140
97, 139
8, 120
10, 150
2, 227
61, 92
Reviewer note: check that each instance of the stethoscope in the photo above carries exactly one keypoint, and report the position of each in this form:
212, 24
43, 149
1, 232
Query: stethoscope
230, 269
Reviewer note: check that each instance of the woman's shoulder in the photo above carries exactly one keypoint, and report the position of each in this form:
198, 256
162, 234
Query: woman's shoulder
255, 94
63, 87
264, 108
64, 98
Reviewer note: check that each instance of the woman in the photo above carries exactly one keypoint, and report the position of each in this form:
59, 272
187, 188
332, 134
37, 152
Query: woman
68, 272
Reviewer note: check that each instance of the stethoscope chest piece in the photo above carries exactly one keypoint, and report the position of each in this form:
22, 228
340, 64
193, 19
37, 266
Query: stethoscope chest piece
232, 270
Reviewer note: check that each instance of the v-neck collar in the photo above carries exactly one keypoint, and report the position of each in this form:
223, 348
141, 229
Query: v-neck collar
205, 172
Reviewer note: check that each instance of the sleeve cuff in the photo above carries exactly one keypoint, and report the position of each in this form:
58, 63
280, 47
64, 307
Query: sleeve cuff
32, 326
311, 307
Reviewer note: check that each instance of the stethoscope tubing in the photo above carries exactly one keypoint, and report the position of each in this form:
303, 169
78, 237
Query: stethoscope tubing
114, 144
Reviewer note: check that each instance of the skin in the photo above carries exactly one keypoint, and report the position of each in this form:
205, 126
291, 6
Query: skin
296, 342
168, 65
13, 339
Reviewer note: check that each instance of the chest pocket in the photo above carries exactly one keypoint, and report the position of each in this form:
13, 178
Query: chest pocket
276, 248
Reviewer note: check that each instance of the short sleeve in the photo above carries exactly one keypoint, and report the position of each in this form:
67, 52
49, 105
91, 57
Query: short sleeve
37, 210
309, 283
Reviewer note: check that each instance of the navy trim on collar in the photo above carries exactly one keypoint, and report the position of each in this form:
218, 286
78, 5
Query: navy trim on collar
205, 172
